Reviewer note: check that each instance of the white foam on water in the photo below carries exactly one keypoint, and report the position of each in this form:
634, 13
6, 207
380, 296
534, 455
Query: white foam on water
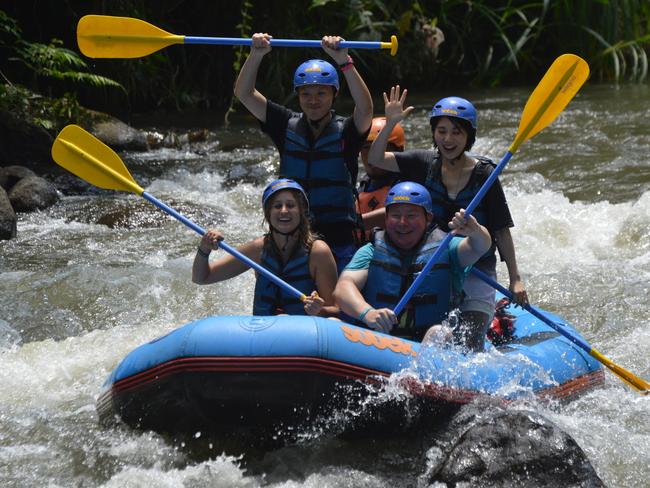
591, 263
222, 472
340, 477
551, 231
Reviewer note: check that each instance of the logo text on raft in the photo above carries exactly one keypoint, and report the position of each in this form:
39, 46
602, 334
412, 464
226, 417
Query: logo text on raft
369, 338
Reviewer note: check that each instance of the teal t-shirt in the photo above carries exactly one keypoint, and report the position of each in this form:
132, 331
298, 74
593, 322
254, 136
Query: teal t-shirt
362, 258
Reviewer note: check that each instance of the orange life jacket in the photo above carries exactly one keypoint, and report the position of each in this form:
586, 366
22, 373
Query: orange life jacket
371, 200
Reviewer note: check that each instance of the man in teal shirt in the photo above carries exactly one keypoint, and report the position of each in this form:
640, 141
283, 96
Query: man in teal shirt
380, 272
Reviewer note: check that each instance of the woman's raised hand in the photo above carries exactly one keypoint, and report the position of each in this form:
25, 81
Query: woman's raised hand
394, 105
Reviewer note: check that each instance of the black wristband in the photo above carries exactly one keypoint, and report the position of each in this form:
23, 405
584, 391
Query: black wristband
347, 63
202, 253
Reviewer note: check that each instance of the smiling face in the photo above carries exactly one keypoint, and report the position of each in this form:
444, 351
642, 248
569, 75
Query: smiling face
284, 213
316, 100
450, 138
406, 224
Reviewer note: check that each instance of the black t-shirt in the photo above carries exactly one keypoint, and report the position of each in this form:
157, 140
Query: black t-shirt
277, 119
415, 165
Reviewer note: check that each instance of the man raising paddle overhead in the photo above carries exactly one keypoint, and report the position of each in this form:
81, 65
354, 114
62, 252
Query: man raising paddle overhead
318, 148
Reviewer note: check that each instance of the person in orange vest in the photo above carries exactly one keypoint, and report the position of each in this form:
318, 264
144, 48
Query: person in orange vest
374, 186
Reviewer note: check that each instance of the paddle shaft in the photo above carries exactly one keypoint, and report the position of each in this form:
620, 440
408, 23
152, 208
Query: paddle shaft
631, 379
234, 252
242, 41
534, 311
445, 242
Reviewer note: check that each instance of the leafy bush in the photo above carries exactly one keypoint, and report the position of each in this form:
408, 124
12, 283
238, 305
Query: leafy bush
58, 63
50, 113
50, 61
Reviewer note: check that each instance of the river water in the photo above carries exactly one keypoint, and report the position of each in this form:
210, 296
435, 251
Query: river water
100, 273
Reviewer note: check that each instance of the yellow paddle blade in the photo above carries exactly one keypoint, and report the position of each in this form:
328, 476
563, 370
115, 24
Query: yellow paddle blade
104, 36
90, 159
556, 89
642, 386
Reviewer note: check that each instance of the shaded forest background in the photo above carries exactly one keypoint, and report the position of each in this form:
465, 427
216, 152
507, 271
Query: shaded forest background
487, 43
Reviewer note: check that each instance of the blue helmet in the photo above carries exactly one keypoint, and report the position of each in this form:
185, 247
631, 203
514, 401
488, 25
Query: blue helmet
410, 192
282, 184
316, 72
455, 107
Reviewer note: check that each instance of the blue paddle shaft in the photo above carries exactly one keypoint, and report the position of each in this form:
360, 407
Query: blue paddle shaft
232, 251
242, 41
445, 242
534, 311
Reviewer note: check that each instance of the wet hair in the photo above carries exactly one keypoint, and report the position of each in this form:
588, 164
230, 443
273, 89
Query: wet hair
306, 236
460, 124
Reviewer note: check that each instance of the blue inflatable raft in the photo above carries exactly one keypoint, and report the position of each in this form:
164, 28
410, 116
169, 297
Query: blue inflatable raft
224, 374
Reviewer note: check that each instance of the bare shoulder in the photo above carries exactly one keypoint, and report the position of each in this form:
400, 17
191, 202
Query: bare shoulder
320, 248
253, 249
258, 243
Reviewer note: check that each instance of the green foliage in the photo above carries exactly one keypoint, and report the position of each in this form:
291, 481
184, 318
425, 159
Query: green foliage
56, 62
48, 60
488, 42
615, 33
244, 29
9, 30
50, 113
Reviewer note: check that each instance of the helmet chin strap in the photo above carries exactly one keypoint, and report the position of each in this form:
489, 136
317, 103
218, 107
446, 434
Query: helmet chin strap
286, 235
316, 123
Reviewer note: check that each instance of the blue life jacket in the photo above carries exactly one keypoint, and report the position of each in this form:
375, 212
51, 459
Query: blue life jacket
444, 207
391, 273
270, 299
321, 170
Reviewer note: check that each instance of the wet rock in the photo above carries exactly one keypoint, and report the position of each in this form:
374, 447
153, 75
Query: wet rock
8, 219
495, 447
23, 142
171, 140
132, 216
118, 135
69, 184
154, 139
11, 175
200, 135
32, 193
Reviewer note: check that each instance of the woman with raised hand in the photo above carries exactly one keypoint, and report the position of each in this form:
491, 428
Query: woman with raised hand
453, 176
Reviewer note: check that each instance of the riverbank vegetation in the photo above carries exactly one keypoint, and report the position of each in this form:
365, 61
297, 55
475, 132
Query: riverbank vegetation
486, 43
49, 74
